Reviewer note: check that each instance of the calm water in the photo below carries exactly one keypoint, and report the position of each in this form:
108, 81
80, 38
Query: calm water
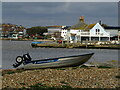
11, 49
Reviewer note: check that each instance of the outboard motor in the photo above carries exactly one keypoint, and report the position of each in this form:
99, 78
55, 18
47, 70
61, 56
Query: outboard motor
22, 59
19, 60
26, 57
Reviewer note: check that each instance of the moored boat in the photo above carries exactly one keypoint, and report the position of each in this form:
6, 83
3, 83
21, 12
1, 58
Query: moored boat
34, 44
68, 61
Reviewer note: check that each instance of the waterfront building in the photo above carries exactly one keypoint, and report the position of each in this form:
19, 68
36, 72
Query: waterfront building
92, 32
114, 32
9, 30
54, 31
54, 28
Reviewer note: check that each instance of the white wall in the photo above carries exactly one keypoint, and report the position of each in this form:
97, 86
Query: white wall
52, 30
113, 32
91, 33
74, 31
64, 33
102, 31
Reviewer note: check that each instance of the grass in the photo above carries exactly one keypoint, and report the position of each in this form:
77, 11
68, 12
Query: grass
66, 86
40, 86
61, 68
63, 82
11, 71
75, 67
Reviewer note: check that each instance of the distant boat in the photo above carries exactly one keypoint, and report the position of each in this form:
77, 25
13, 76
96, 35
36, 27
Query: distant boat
36, 42
68, 61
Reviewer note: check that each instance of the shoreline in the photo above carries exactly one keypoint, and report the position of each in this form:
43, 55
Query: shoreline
6, 71
109, 63
26, 39
88, 45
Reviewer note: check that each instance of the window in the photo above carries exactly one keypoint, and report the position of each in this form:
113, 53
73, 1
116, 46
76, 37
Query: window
97, 31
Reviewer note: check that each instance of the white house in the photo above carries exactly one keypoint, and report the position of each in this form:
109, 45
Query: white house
90, 32
113, 30
97, 31
93, 32
64, 33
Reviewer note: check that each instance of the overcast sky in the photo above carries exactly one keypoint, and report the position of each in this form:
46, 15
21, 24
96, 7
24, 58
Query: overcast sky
31, 14
60, 0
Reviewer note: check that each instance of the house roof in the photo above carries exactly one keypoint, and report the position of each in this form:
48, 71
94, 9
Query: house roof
83, 26
88, 27
79, 25
67, 27
55, 26
112, 27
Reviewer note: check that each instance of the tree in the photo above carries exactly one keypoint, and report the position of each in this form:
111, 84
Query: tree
36, 30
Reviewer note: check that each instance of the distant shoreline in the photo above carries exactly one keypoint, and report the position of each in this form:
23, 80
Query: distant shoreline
25, 39
15, 39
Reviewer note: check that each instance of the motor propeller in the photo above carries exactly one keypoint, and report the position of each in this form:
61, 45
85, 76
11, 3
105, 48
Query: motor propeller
22, 59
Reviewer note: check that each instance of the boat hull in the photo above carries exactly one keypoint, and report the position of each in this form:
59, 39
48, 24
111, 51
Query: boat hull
60, 62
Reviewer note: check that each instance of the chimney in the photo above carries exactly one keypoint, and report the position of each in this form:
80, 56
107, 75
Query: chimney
100, 22
81, 18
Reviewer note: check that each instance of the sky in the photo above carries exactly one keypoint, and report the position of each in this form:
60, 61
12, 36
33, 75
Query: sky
29, 14
60, 0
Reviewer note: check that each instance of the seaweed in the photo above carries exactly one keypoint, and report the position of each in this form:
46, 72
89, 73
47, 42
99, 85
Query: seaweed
104, 67
11, 71
117, 76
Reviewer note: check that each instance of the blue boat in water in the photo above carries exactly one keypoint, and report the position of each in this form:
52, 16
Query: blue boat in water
68, 61
36, 42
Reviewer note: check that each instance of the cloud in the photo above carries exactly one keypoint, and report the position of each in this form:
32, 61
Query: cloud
60, 13
45, 8
61, 1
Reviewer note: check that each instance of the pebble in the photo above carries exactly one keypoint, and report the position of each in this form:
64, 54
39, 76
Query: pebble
76, 78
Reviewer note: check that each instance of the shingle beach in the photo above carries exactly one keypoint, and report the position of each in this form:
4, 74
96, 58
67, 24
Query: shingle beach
90, 77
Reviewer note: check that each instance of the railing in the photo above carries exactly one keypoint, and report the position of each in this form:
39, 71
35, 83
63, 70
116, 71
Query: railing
97, 34
85, 33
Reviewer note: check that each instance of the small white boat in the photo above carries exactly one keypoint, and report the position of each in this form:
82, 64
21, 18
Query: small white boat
69, 61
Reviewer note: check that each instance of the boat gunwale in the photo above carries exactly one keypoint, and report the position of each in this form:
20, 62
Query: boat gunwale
61, 57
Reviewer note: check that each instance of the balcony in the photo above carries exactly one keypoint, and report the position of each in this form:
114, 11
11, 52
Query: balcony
107, 34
